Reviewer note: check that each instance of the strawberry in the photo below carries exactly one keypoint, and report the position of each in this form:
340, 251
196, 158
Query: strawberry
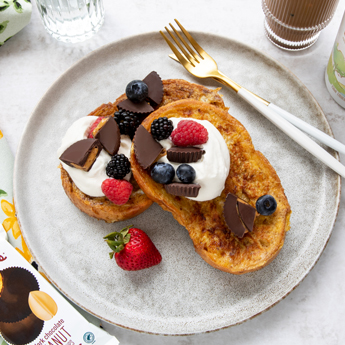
133, 249
93, 126
189, 133
117, 191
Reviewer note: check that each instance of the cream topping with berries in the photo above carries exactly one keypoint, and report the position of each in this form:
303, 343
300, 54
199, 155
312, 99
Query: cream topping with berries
90, 182
214, 166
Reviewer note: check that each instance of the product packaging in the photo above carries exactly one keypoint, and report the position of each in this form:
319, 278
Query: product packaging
32, 312
335, 71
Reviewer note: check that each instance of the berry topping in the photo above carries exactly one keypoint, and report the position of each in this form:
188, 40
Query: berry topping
133, 249
185, 173
189, 133
161, 128
266, 205
137, 91
128, 122
93, 126
118, 167
117, 191
163, 173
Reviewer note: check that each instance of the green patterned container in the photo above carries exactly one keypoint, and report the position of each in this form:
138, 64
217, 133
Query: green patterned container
335, 71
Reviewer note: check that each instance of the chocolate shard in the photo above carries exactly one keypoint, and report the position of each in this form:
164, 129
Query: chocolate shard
16, 284
140, 108
155, 85
109, 135
247, 214
146, 148
231, 216
184, 154
82, 154
183, 189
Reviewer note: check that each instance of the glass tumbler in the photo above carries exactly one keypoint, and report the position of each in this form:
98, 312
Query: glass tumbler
71, 20
296, 24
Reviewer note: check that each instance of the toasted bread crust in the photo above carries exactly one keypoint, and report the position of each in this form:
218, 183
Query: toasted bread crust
102, 208
251, 176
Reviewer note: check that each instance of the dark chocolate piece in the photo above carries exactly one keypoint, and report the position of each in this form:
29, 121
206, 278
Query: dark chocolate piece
183, 189
109, 136
17, 283
141, 108
155, 85
22, 332
146, 148
184, 154
231, 216
82, 154
247, 214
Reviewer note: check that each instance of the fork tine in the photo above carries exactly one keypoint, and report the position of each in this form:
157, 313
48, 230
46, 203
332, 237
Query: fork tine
191, 39
196, 57
188, 56
180, 57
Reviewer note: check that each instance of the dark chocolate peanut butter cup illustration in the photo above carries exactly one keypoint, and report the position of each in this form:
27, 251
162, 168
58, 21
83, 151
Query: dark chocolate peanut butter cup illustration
21, 332
16, 285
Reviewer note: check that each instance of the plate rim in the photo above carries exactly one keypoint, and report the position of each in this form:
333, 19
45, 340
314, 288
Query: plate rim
146, 35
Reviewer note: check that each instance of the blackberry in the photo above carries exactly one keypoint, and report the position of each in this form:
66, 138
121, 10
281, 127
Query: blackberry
118, 167
127, 121
161, 128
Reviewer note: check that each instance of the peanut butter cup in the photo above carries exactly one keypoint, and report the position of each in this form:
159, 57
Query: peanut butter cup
82, 154
17, 283
184, 154
239, 216
21, 332
146, 148
109, 136
183, 189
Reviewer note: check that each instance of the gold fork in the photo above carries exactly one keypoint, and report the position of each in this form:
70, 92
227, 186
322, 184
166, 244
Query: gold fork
202, 65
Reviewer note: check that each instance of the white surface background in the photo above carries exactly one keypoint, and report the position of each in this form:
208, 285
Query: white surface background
31, 61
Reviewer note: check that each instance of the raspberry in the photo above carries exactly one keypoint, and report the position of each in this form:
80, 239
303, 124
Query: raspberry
93, 126
189, 133
117, 191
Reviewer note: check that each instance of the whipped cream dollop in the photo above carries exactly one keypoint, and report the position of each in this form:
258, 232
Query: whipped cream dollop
214, 166
90, 182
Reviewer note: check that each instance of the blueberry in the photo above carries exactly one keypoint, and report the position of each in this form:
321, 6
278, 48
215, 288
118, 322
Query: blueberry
185, 173
163, 173
137, 91
266, 205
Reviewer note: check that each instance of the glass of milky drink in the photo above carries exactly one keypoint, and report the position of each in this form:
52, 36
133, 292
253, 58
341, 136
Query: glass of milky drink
296, 24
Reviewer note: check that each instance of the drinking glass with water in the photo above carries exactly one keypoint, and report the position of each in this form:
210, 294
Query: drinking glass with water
71, 20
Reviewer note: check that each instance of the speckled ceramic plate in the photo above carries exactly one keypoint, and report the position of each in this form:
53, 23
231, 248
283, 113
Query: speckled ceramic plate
183, 294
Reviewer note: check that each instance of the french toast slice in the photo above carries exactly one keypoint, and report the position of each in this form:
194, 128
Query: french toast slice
101, 207
250, 176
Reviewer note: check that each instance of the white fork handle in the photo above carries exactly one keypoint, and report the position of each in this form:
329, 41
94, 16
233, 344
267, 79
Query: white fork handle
294, 133
307, 128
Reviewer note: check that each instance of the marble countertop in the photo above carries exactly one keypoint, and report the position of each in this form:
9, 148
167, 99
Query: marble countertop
31, 61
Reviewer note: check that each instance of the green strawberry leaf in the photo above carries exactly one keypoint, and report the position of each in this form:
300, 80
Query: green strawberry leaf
2, 193
117, 240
